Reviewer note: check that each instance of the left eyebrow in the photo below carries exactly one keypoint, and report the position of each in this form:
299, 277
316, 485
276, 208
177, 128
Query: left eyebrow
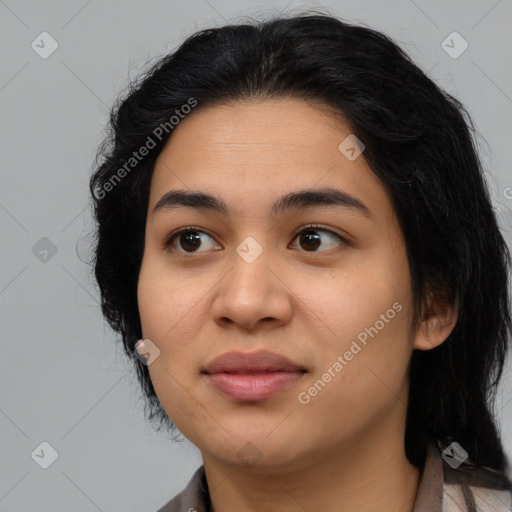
328, 196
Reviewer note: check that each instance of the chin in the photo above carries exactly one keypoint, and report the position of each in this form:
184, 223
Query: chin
258, 450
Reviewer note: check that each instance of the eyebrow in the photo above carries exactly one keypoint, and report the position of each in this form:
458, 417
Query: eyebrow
293, 201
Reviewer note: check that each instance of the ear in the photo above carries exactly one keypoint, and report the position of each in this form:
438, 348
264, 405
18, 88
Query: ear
437, 324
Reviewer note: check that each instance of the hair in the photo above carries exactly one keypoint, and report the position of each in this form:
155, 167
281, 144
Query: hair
418, 141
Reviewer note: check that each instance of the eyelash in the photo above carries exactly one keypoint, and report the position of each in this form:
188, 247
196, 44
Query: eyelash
172, 237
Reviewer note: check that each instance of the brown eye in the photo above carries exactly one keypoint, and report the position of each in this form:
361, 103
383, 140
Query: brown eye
310, 240
189, 240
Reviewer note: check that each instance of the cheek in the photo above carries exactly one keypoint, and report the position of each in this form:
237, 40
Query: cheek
169, 308
153, 301
166, 313
167, 304
363, 316
375, 351
343, 305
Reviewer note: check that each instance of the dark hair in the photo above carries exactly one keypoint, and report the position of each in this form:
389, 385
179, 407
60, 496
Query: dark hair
419, 142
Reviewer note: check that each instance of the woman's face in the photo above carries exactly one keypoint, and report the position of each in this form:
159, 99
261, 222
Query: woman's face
335, 299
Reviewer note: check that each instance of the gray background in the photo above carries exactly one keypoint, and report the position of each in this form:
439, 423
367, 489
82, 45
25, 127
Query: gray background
63, 377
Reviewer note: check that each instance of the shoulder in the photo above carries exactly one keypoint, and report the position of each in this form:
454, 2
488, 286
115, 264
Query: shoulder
457, 498
475, 488
193, 498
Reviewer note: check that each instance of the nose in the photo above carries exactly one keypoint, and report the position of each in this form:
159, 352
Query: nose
253, 295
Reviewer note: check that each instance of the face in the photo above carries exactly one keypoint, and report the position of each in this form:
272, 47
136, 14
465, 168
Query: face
334, 299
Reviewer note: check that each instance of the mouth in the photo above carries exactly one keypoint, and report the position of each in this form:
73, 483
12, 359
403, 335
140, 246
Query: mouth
252, 376
253, 387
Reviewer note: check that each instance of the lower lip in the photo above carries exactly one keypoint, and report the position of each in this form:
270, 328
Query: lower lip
253, 386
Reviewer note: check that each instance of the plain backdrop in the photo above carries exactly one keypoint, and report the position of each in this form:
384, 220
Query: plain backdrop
64, 379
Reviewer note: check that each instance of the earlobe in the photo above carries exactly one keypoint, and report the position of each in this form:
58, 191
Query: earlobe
441, 318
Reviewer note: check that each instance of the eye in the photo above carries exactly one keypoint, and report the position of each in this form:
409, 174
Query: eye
311, 240
188, 238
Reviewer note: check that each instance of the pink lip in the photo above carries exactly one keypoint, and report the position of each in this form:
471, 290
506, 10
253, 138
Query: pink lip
252, 376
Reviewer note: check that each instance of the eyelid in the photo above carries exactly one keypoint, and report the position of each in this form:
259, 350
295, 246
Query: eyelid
319, 228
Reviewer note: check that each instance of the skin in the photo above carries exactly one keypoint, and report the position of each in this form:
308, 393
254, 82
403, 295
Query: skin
306, 304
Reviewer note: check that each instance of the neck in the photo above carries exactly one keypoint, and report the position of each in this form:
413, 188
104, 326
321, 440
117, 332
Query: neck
366, 473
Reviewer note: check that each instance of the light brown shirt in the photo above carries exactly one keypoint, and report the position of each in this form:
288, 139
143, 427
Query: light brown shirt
442, 488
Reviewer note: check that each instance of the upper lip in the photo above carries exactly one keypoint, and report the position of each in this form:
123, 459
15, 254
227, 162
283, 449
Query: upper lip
244, 362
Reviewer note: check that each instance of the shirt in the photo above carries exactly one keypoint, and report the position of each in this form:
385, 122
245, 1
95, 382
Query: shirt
442, 488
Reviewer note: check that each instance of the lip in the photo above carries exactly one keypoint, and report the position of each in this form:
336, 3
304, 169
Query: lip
252, 376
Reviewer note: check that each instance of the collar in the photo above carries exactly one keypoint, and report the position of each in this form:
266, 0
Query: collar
441, 489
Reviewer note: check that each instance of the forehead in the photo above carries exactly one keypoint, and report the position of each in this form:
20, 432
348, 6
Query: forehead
252, 153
